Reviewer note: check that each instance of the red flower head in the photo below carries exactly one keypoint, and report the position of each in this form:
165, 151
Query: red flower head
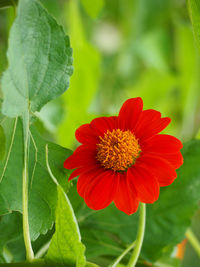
123, 158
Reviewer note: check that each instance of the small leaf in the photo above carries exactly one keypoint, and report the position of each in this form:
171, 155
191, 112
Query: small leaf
40, 61
42, 190
194, 10
66, 246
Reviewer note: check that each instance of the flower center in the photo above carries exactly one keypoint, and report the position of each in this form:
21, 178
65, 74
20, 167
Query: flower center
118, 150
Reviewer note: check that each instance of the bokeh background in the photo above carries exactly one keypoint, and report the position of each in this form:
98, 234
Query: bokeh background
123, 49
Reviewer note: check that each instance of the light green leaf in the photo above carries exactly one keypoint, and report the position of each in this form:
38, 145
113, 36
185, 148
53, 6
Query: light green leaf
42, 190
40, 61
167, 219
194, 10
93, 9
66, 247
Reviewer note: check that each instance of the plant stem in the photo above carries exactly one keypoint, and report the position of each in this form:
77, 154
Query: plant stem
140, 236
123, 254
48, 167
193, 241
26, 233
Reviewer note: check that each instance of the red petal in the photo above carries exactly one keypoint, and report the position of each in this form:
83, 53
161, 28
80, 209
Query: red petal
161, 168
149, 124
145, 183
102, 124
85, 135
83, 170
130, 113
85, 180
162, 143
83, 155
100, 192
176, 160
125, 199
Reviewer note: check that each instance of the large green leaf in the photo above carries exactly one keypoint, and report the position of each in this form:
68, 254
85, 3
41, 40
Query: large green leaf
66, 247
194, 10
40, 61
42, 190
167, 219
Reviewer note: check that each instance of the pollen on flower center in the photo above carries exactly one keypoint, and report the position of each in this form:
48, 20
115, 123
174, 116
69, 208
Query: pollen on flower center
118, 150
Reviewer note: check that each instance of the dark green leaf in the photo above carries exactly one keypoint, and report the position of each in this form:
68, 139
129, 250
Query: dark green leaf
7, 3
66, 247
40, 61
10, 229
42, 190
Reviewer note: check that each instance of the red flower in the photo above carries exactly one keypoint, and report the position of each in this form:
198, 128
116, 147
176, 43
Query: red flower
123, 158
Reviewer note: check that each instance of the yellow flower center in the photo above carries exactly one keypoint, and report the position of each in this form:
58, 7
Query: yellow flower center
118, 150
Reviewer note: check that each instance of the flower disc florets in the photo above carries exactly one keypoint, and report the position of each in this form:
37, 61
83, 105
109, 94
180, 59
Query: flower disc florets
118, 150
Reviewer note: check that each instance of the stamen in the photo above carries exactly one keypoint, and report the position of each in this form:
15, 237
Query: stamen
118, 150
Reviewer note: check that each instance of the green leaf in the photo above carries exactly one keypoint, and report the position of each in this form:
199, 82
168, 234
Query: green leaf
66, 247
194, 11
40, 61
94, 9
42, 190
167, 219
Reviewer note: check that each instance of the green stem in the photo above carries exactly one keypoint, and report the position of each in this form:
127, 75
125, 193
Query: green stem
26, 233
193, 241
48, 167
140, 236
123, 254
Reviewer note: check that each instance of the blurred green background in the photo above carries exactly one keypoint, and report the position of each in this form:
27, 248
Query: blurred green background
122, 49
